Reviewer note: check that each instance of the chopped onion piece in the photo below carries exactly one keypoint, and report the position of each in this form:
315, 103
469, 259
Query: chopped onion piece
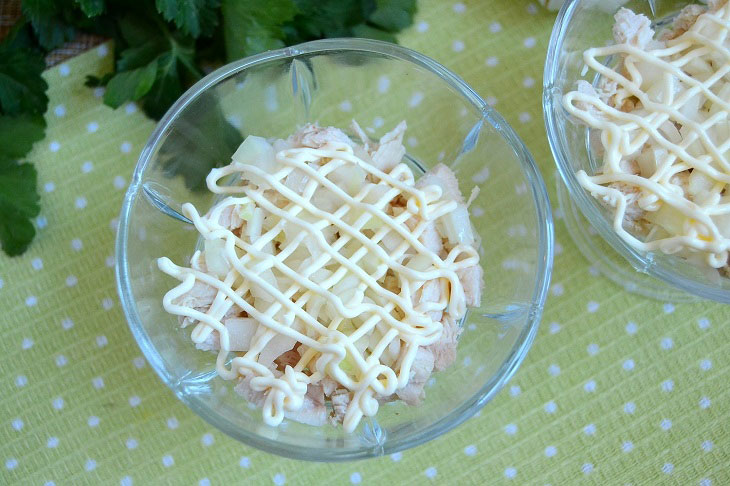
346, 327
240, 332
723, 224
348, 365
456, 227
649, 74
420, 263
695, 149
391, 352
720, 132
256, 151
691, 109
245, 211
374, 339
255, 225
361, 344
649, 159
320, 275
259, 292
215, 258
699, 68
277, 346
668, 218
326, 200
391, 241
724, 94
296, 181
699, 184
349, 177
658, 91
670, 131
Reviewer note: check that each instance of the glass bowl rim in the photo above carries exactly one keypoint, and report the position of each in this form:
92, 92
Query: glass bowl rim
472, 404
591, 209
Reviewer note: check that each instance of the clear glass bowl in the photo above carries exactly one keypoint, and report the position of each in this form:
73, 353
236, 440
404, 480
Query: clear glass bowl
582, 24
331, 81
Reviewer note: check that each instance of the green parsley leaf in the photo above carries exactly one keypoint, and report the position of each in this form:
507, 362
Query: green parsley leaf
48, 24
166, 89
94, 81
168, 85
22, 103
252, 26
154, 68
193, 149
137, 30
130, 85
393, 15
20, 36
368, 32
19, 202
375, 19
91, 8
193, 17
19, 133
324, 18
140, 56
22, 89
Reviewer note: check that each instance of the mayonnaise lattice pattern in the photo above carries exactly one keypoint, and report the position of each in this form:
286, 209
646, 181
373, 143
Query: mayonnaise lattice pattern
325, 346
682, 100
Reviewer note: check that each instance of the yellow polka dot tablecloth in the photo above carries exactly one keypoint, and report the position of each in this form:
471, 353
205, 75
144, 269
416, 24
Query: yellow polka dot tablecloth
616, 389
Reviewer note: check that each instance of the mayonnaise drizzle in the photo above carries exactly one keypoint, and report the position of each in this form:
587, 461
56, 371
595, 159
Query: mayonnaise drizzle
326, 350
623, 134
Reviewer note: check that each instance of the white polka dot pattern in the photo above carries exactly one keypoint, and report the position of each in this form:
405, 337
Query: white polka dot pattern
612, 380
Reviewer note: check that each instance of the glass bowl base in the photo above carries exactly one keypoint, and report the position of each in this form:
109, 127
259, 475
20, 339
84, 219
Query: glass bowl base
608, 262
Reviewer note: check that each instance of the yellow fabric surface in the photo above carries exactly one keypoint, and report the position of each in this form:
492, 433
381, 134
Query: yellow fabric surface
616, 389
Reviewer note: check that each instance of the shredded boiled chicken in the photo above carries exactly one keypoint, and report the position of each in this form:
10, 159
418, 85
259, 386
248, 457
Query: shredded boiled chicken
335, 279
662, 113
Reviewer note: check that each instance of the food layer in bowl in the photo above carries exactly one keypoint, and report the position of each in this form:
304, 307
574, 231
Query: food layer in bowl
659, 114
329, 279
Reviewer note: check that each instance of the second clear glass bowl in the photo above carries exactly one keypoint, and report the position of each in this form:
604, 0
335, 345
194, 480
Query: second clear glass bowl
582, 24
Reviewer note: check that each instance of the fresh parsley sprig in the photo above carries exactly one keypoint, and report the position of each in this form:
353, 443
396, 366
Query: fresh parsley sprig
162, 47
23, 101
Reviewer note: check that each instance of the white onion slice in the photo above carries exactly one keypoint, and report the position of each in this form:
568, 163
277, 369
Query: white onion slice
215, 258
456, 227
240, 332
277, 346
256, 151
668, 218
349, 177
